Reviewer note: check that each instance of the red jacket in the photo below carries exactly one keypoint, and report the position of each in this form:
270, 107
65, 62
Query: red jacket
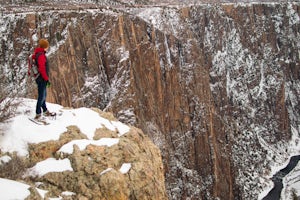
42, 63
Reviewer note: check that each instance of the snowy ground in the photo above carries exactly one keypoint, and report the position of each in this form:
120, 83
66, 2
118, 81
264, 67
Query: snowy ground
16, 133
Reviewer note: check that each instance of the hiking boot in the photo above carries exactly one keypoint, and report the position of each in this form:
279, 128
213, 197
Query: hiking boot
49, 114
38, 116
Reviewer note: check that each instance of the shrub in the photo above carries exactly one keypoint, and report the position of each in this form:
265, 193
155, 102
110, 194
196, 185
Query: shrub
8, 107
8, 97
13, 169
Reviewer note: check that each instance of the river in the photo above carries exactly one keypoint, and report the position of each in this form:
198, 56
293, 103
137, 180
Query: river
274, 194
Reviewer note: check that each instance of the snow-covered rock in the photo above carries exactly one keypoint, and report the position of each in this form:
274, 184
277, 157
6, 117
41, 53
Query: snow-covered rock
74, 152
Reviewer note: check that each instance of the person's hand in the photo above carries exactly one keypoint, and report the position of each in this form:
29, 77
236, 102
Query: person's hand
48, 84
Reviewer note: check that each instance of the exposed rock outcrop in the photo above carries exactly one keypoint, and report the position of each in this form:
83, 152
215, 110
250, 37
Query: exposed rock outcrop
97, 170
214, 86
113, 165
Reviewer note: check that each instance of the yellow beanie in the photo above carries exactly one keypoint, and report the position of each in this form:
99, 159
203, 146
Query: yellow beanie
43, 43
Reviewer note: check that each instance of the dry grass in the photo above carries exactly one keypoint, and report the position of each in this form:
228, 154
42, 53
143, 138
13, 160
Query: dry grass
13, 169
8, 108
8, 98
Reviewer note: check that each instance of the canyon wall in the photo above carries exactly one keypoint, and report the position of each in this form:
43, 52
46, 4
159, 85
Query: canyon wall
215, 86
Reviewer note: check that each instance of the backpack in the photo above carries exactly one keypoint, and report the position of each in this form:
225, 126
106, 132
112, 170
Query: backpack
33, 69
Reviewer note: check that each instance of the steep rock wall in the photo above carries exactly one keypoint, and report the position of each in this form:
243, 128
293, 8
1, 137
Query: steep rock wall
215, 86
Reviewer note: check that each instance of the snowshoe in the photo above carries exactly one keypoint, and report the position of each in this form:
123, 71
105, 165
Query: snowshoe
39, 121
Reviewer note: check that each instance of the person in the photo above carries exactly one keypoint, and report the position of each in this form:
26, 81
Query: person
43, 80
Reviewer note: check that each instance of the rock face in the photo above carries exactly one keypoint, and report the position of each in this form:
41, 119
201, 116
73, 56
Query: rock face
130, 169
216, 87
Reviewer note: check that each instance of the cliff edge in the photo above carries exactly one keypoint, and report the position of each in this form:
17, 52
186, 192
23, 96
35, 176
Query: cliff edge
95, 157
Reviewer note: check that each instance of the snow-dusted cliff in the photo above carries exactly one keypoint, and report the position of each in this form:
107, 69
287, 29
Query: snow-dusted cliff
215, 86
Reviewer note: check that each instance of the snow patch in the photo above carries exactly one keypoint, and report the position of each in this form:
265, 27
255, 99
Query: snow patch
4, 159
13, 189
82, 144
68, 193
20, 130
125, 168
122, 128
49, 165
105, 171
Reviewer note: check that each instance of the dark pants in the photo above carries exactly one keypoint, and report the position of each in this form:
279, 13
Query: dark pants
42, 94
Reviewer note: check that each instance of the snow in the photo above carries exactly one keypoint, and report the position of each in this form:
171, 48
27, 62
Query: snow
122, 128
294, 17
20, 130
124, 54
105, 171
50, 165
21, 191
165, 19
67, 193
13, 190
125, 168
82, 144
42, 192
5, 159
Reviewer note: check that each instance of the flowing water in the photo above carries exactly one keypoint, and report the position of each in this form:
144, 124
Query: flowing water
274, 194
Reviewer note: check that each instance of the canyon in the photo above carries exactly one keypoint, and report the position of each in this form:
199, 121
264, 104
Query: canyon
215, 86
